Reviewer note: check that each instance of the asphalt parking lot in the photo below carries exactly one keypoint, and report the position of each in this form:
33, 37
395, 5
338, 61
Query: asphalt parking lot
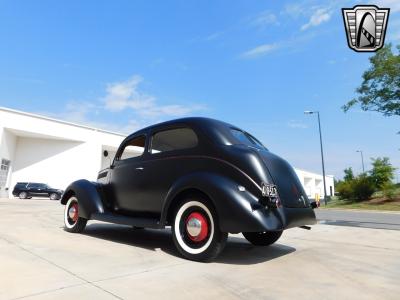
39, 260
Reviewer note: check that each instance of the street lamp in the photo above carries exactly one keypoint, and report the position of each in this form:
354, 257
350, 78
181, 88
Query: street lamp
309, 112
362, 159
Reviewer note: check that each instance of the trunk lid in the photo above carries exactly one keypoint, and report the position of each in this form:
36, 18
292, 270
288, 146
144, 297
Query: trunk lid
290, 189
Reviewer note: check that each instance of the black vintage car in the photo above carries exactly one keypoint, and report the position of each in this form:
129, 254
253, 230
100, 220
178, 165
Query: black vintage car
27, 190
202, 177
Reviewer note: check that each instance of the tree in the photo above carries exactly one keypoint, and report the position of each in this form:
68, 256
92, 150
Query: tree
348, 174
380, 89
382, 172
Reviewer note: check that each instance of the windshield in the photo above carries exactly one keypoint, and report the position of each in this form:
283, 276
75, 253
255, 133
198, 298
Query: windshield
246, 138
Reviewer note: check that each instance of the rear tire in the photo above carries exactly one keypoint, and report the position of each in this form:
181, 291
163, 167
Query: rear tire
262, 238
23, 195
72, 222
195, 230
53, 196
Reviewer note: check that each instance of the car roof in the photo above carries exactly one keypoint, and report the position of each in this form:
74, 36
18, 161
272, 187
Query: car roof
190, 121
217, 131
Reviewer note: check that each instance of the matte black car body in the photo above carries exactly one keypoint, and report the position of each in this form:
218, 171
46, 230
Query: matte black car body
144, 191
33, 189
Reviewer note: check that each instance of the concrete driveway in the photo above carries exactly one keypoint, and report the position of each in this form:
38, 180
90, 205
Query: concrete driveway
39, 260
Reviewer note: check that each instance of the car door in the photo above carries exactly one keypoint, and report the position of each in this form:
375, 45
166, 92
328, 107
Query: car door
32, 189
126, 176
42, 190
170, 156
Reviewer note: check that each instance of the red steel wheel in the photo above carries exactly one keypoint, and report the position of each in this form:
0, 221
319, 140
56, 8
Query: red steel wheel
72, 221
197, 227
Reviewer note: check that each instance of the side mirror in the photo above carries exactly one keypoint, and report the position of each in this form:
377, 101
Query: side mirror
105, 153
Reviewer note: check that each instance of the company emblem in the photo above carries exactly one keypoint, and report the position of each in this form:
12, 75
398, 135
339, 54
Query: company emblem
365, 27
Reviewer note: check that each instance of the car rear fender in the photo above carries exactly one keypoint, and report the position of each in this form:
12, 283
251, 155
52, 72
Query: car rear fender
88, 195
236, 210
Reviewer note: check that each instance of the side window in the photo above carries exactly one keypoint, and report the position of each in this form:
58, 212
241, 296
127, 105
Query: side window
133, 148
173, 139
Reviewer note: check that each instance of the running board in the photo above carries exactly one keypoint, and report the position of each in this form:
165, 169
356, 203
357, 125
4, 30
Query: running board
130, 221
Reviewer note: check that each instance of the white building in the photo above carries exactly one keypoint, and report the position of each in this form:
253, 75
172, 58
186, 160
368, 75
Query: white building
35, 148
313, 184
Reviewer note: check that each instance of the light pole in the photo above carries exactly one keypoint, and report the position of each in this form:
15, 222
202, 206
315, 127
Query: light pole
362, 159
308, 112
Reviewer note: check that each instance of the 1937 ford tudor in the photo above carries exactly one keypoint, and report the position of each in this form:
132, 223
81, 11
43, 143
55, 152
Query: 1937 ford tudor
204, 178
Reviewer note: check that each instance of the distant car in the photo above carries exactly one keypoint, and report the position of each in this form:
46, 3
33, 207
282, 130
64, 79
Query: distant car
202, 177
27, 190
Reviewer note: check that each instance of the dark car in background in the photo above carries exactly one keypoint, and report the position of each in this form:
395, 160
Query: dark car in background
27, 190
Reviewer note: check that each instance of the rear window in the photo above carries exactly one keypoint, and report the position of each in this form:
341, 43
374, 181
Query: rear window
173, 139
246, 139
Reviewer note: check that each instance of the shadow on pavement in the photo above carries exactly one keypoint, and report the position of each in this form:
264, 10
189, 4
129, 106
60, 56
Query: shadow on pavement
237, 250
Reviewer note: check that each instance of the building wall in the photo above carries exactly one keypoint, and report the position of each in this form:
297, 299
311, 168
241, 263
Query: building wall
55, 162
51, 151
313, 184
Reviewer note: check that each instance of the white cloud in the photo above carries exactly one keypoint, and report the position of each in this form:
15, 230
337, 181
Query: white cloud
259, 50
295, 9
214, 36
264, 19
124, 95
320, 16
296, 124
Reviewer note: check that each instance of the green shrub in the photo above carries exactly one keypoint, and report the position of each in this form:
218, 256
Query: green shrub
389, 190
362, 188
358, 189
344, 190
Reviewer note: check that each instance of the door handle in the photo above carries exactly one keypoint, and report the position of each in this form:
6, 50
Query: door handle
140, 168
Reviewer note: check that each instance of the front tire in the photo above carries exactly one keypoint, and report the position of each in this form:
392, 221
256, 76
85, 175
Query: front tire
72, 222
195, 231
262, 238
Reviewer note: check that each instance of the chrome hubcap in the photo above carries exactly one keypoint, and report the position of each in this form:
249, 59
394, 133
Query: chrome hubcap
72, 212
193, 227
196, 227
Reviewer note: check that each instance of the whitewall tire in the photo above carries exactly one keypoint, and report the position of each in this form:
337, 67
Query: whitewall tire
195, 230
72, 221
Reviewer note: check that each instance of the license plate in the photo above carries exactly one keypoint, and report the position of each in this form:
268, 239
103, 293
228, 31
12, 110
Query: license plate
269, 190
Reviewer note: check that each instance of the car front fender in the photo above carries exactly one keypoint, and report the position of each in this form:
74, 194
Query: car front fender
88, 195
238, 211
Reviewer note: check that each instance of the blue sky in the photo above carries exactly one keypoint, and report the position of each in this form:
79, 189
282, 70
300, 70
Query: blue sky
121, 65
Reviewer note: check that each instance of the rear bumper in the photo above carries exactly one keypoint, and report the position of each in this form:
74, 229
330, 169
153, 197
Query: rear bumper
244, 213
294, 217
282, 218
